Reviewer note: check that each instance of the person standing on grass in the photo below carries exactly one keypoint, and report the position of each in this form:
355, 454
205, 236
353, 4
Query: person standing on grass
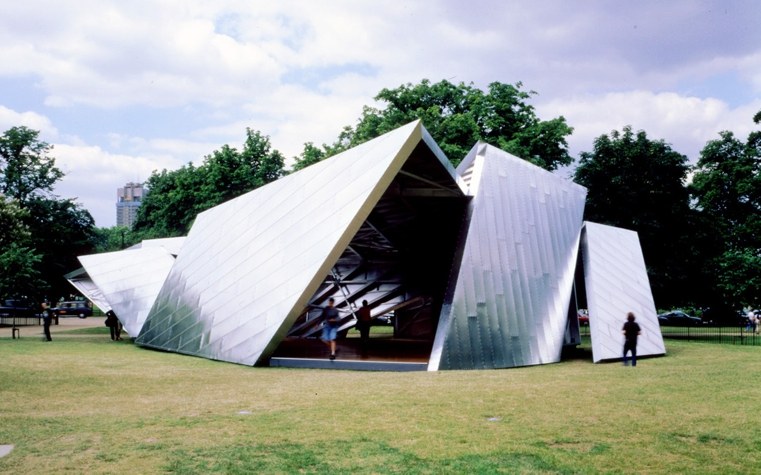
631, 331
47, 317
114, 325
330, 322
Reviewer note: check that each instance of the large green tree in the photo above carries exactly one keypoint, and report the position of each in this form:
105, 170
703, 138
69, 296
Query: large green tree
26, 168
175, 197
457, 116
18, 260
637, 183
58, 230
726, 188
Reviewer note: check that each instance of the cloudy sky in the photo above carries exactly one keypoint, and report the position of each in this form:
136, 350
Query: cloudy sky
124, 88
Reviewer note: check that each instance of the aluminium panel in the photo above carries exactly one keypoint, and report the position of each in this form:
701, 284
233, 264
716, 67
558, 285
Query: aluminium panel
173, 245
92, 292
249, 266
129, 280
508, 303
616, 282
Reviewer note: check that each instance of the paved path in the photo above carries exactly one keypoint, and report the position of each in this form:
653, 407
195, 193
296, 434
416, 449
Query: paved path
64, 324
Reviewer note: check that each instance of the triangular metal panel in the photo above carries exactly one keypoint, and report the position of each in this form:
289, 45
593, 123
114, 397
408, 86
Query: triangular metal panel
508, 303
173, 245
130, 280
84, 284
616, 283
249, 266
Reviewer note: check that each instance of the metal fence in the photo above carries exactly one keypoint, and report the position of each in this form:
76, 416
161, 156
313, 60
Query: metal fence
19, 321
734, 335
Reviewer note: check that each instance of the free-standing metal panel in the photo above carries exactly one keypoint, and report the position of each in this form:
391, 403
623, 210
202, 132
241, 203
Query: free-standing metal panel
616, 280
249, 266
508, 305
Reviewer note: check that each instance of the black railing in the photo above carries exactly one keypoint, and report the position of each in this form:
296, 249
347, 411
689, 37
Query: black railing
735, 335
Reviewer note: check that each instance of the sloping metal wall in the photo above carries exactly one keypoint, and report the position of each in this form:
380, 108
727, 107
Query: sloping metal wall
130, 280
616, 281
508, 304
92, 292
249, 266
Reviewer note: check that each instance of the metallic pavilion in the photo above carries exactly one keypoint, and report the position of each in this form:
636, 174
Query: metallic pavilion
478, 262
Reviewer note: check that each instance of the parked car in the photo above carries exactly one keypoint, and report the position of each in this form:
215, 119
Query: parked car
78, 308
583, 316
678, 318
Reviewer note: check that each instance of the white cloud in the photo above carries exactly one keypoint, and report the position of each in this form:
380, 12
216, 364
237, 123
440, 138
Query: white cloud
92, 176
123, 88
687, 123
10, 118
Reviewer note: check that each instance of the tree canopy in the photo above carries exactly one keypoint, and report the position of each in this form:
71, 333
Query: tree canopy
457, 116
48, 232
174, 198
726, 188
637, 183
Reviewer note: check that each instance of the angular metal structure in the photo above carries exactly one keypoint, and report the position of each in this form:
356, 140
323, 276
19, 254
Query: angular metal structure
127, 281
509, 303
616, 283
252, 266
474, 266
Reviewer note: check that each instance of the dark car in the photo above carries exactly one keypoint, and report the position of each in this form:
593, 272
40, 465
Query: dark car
16, 308
78, 308
678, 318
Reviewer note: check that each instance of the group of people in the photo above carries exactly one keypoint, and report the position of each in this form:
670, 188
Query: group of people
112, 322
331, 321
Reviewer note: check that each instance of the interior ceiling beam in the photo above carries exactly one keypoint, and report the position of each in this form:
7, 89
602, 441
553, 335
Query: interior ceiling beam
427, 193
450, 191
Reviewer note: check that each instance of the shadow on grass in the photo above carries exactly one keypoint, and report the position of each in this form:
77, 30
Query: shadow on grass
363, 456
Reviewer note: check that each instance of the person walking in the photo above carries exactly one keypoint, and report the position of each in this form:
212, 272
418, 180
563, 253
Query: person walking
47, 318
631, 331
330, 322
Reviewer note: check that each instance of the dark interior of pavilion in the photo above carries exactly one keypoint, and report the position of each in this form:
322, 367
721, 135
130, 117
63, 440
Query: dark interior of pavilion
399, 261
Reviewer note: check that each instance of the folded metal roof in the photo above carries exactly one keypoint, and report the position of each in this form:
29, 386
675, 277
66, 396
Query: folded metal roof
509, 304
249, 266
127, 281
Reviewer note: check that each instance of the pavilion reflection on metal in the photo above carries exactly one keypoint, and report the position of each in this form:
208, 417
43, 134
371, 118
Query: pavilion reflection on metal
478, 263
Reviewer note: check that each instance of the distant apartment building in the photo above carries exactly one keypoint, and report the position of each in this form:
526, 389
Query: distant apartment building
128, 200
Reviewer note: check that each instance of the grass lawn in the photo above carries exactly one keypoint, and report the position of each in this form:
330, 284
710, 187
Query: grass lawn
85, 404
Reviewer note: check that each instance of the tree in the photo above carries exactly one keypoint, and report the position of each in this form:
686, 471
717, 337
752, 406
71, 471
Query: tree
637, 183
25, 166
175, 197
58, 230
457, 116
726, 189
115, 238
18, 260
61, 231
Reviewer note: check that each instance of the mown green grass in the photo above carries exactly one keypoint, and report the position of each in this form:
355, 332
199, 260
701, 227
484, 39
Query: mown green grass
85, 404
